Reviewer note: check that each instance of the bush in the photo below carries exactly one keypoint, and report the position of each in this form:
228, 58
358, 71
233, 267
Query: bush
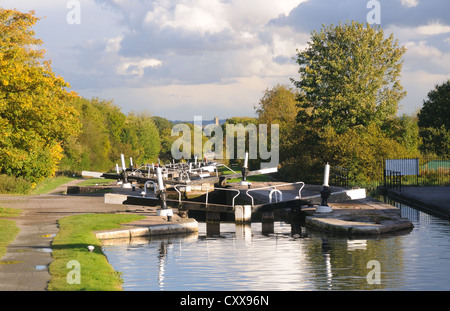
17, 185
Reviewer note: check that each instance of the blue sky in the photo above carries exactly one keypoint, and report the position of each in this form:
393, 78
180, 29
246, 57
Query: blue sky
180, 59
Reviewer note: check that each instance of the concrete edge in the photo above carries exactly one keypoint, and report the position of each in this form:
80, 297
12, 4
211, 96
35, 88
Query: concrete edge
189, 226
414, 202
346, 227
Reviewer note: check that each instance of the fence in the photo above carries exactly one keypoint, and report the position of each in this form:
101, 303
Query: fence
339, 176
397, 173
425, 171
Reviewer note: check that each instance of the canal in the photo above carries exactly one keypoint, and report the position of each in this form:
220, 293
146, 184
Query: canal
290, 258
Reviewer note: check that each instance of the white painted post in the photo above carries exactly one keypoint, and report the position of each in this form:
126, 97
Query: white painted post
160, 179
326, 175
245, 171
123, 162
125, 184
324, 208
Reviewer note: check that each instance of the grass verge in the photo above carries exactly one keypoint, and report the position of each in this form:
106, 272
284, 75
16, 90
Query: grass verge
50, 184
254, 178
97, 181
71, 243
8, 228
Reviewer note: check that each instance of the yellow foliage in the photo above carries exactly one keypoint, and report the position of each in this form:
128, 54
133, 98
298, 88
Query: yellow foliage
34, 114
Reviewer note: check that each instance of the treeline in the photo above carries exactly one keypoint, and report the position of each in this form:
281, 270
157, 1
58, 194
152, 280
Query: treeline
106, 132
342, 109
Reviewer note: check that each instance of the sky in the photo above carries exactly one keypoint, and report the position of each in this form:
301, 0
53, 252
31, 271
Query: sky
180, 59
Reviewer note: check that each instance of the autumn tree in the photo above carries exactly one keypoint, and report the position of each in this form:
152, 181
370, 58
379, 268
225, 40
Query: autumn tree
34, 118
279, 106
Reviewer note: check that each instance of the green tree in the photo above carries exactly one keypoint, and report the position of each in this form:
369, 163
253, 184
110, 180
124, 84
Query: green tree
434, 121
349, 76
143, 136
348, 96
91, 149
164, 128
35, 119
405, 131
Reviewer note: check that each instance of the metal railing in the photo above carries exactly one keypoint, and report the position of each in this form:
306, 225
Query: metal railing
207, 192
393, 180
339, 176
275, 190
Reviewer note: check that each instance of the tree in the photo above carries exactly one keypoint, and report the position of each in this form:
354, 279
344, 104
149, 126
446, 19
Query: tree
34, 118
348, 95
349, 76
405, 131
279, 106
164, 128
142, 134
434, 120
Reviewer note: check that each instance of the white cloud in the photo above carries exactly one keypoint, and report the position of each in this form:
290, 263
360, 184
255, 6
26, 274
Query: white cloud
128, 66
421, 49
410, 3
185, 55
433, 28
203, 16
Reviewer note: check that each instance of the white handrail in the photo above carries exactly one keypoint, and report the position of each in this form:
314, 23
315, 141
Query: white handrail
274, 187
277, 191
207, 193
144, 193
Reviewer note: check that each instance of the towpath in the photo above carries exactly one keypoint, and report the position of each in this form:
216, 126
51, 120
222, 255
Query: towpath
25, 265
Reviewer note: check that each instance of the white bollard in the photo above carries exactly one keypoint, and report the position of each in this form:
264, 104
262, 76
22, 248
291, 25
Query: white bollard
326, 175
122, 158
160, 178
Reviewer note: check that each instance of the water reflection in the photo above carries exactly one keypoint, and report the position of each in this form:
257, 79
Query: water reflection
286, 257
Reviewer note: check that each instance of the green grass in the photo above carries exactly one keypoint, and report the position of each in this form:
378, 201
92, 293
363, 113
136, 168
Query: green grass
255, 178
8, 228
50, 184
9, 212
97, 181
71, 244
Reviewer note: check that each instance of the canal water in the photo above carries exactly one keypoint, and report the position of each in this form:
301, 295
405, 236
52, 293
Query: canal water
289, 258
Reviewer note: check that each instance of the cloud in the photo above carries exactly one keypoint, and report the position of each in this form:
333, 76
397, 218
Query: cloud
422, 50
219, 54
410, 3
433, 28
203, 16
